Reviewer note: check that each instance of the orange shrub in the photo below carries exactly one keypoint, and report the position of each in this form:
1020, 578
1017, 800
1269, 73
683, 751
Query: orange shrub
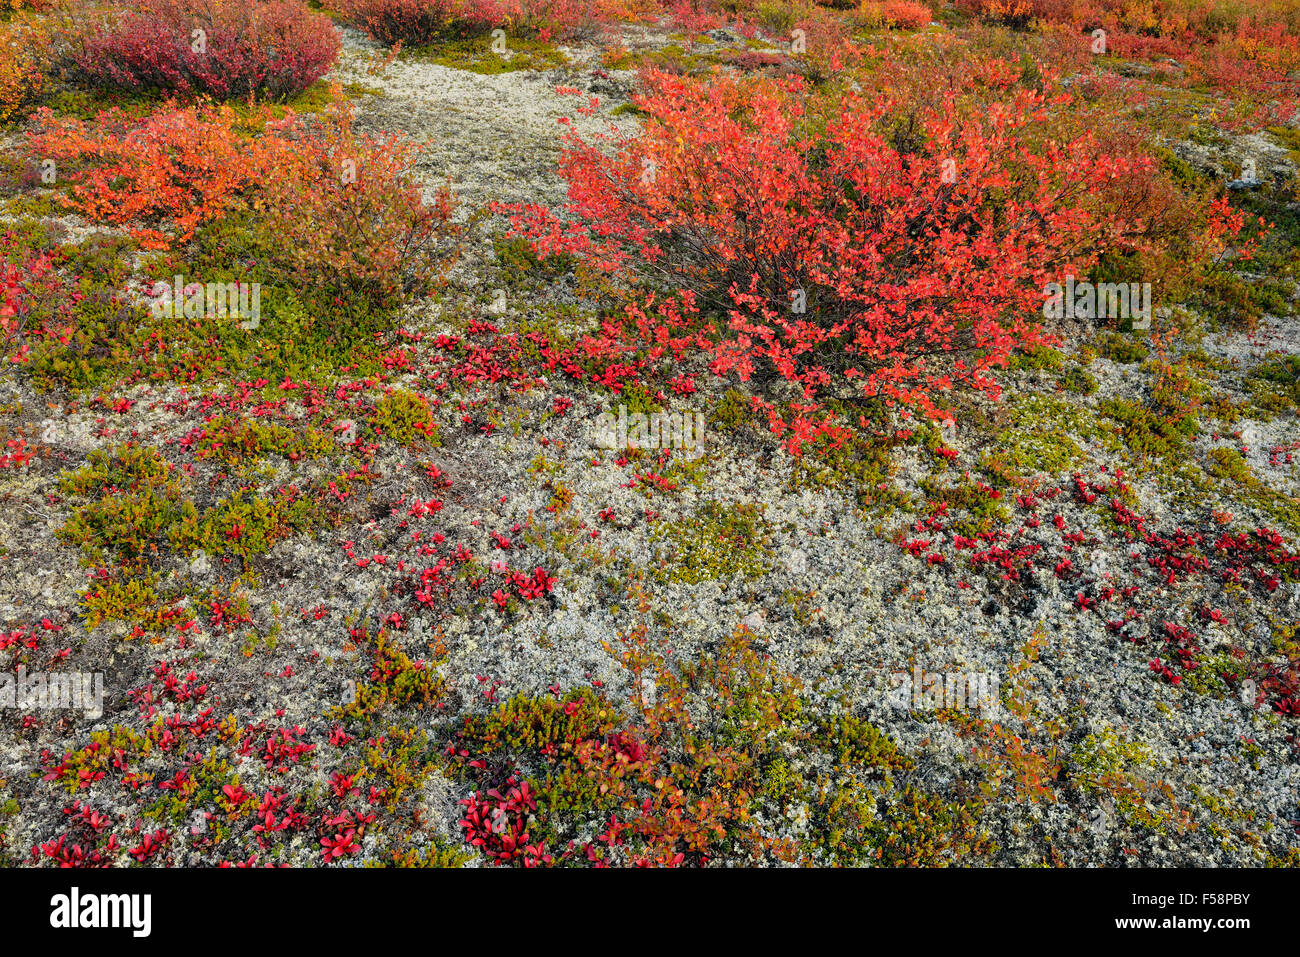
161, 177
21, 72
340, 207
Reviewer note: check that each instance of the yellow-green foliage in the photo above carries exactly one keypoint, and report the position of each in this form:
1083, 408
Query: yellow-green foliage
1230, 464
476, 55
129, 468
1122, 348
1275, 384
717, 542
398, 681
137, 506
1160, 427
237, 442
1039, 440
980, 510
405, 417
854, 740
1040, 357
732, 412
438, 854
1125, 772
132, 600
242, 524
861, 463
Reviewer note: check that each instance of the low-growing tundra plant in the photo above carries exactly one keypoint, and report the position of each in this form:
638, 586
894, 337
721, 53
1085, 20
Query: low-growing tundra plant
894, 241
220, 48
363, 234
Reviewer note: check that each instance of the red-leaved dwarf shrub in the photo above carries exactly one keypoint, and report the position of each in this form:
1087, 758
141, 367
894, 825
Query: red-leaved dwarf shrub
35, 301
418, 22
842, 240
906, 15
341, 209
220, 48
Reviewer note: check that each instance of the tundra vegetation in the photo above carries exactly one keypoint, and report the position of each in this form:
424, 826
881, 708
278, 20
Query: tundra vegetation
545, 432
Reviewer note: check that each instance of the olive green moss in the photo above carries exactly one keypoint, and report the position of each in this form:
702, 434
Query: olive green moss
718, 542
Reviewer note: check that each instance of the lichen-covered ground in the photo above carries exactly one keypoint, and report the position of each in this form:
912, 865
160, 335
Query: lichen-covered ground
408, 611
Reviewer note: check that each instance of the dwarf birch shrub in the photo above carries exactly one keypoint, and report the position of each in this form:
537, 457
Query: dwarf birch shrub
225, 49
895, 241
335, 214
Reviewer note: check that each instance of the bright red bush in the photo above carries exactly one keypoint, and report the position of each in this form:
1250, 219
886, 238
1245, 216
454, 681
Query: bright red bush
269, 50
906, 15
418, 22
849, 240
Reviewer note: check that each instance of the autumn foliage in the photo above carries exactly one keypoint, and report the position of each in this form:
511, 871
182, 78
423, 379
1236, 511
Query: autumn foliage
340, 206
219, 48
905, 14
894, 243
418, 22
1248, 50
22, 75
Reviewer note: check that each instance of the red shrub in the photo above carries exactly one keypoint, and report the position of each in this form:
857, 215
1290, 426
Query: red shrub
420, 22
849, 240
245, 48
357, 217
417, 22
906, 15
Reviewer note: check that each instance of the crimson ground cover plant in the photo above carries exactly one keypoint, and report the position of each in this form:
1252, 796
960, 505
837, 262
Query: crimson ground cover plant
220, 48
895, 243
